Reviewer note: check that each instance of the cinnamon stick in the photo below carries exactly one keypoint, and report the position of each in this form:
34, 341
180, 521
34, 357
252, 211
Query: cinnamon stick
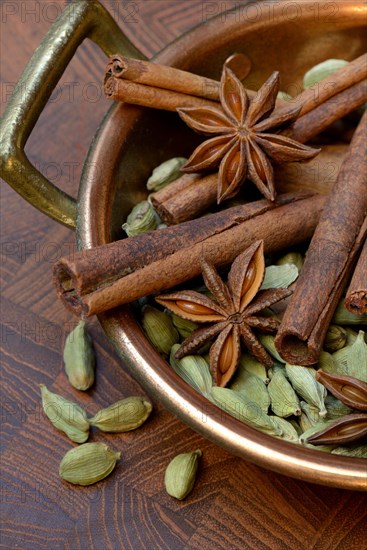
151, 96
330, 259
185, 198
109, 262
162, 76
324, 114
356, 299
192, 194
99, 279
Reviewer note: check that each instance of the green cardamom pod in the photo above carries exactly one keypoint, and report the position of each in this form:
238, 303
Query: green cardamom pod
303, 380
79, 358
166, 172
358, 451
339, 364
279, 276
194, 370
88, 463
289, 432
312, 412
326, 362
245, 410
159, 329
180, 474
123, 416
351, 335
142, 218
322, 70
284, 96
252, 366
357, 359
267, 340
283, 398
352, 360
275, 368
184, 326
304, 422
293, 258
65, 415
343, 317
336, 338
253, 388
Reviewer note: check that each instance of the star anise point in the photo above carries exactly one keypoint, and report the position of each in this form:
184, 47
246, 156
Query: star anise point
232, 313
244, 136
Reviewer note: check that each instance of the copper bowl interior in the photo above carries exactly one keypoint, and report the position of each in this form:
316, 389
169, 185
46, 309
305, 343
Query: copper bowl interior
132, 141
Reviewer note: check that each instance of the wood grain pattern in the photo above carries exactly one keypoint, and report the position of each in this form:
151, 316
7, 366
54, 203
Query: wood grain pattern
234, 504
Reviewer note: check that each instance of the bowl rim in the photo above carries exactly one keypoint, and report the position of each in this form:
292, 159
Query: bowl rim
123, 330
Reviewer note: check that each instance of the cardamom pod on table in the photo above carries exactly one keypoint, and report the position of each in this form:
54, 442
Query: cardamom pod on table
123, 416
88, 463
180, 475
65, 415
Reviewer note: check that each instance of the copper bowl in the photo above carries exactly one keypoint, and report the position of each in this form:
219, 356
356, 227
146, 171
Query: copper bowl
131, 141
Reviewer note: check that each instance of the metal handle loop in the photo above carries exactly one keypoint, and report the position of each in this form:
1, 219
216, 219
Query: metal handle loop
81, 19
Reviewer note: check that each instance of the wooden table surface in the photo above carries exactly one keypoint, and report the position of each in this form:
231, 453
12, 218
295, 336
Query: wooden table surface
234, 504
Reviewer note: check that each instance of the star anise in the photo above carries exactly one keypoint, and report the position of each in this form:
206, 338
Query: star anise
246, 136
233, 314
349, 428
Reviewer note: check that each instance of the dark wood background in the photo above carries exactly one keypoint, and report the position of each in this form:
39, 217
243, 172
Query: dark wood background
234, 504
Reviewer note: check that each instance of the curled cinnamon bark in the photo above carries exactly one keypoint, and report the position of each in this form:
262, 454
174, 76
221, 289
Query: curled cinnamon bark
330, 259
324, 114
151, 96
161, 76
192, 194
356, 300
99, 279
186, 198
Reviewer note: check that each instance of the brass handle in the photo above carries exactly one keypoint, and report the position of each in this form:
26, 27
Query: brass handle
80, 20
